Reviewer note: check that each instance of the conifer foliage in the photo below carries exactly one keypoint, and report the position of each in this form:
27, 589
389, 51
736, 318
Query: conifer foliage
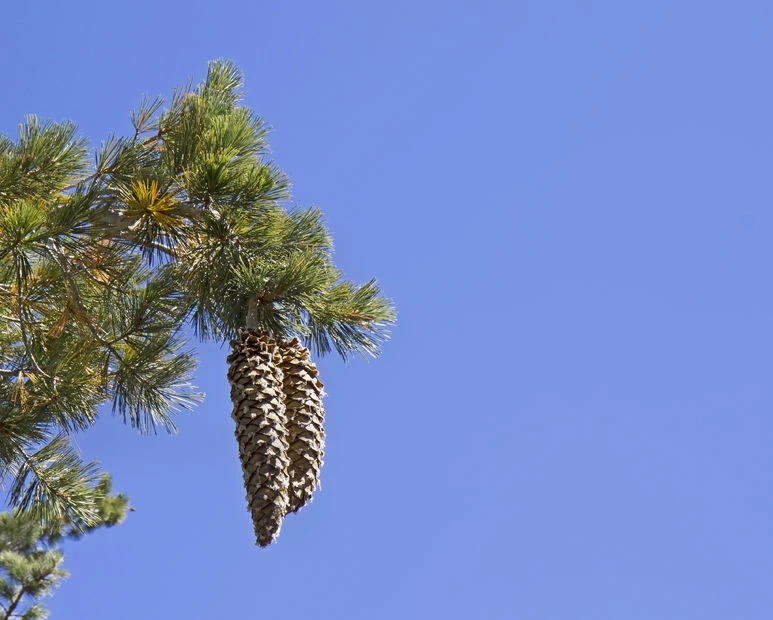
30, 557
102, 265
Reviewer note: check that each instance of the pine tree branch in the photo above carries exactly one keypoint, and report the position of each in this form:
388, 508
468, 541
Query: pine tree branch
14, 603
151, 142
63, 263
119, 226
93, 330
20, 301
91, 327
62, 486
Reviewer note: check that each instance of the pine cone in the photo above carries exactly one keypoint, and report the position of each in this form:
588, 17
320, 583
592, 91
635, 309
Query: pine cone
305, 417
261, 429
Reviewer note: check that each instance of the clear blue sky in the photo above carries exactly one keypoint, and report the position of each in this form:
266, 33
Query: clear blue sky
570, 203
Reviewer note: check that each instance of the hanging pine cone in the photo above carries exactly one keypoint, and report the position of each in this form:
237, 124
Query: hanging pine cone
256, 380
305, 418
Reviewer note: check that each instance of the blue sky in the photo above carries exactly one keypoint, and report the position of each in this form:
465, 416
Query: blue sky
569, 203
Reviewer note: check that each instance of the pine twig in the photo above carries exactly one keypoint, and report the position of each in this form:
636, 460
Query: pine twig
20, 299
14, 603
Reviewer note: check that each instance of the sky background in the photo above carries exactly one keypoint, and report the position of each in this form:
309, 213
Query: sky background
569, 203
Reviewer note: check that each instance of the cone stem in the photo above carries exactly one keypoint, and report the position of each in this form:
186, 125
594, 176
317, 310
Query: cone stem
251, 320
